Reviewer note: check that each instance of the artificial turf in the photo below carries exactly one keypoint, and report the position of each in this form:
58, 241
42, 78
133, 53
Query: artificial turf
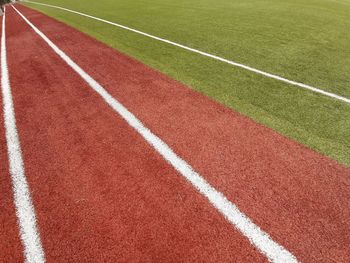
306, 41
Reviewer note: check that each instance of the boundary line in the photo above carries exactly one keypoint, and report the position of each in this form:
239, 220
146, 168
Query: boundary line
257, 237
33, 251
233, 63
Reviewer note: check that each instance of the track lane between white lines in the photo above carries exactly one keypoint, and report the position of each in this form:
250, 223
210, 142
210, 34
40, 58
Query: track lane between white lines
29, 234
260, 239
230, 62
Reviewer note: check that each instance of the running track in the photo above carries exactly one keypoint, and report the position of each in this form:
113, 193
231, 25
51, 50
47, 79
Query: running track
101, 193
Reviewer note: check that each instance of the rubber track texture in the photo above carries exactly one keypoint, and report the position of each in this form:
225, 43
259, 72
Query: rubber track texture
97, 187
100, 192
10, 244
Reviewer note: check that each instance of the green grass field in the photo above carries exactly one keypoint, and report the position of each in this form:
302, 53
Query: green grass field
303, 40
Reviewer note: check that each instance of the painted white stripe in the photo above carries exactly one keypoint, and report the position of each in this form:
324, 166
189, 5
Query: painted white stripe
273, 251
236, 64
33, 251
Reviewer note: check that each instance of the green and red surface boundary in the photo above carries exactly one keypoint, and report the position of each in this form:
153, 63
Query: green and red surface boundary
101, 193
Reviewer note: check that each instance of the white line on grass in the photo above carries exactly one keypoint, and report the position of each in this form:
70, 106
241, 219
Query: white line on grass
33, 251
273, 251
266, 74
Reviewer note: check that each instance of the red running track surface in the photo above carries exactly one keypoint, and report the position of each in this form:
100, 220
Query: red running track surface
101, 193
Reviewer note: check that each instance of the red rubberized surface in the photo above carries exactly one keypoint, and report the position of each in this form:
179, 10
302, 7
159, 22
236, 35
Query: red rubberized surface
10, 244
101, 193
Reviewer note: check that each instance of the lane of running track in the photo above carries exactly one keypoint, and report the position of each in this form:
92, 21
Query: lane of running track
299, 197
100, 192
10, 245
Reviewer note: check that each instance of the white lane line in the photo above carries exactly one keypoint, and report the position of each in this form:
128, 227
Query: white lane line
273, 251
33, 250
236, 64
